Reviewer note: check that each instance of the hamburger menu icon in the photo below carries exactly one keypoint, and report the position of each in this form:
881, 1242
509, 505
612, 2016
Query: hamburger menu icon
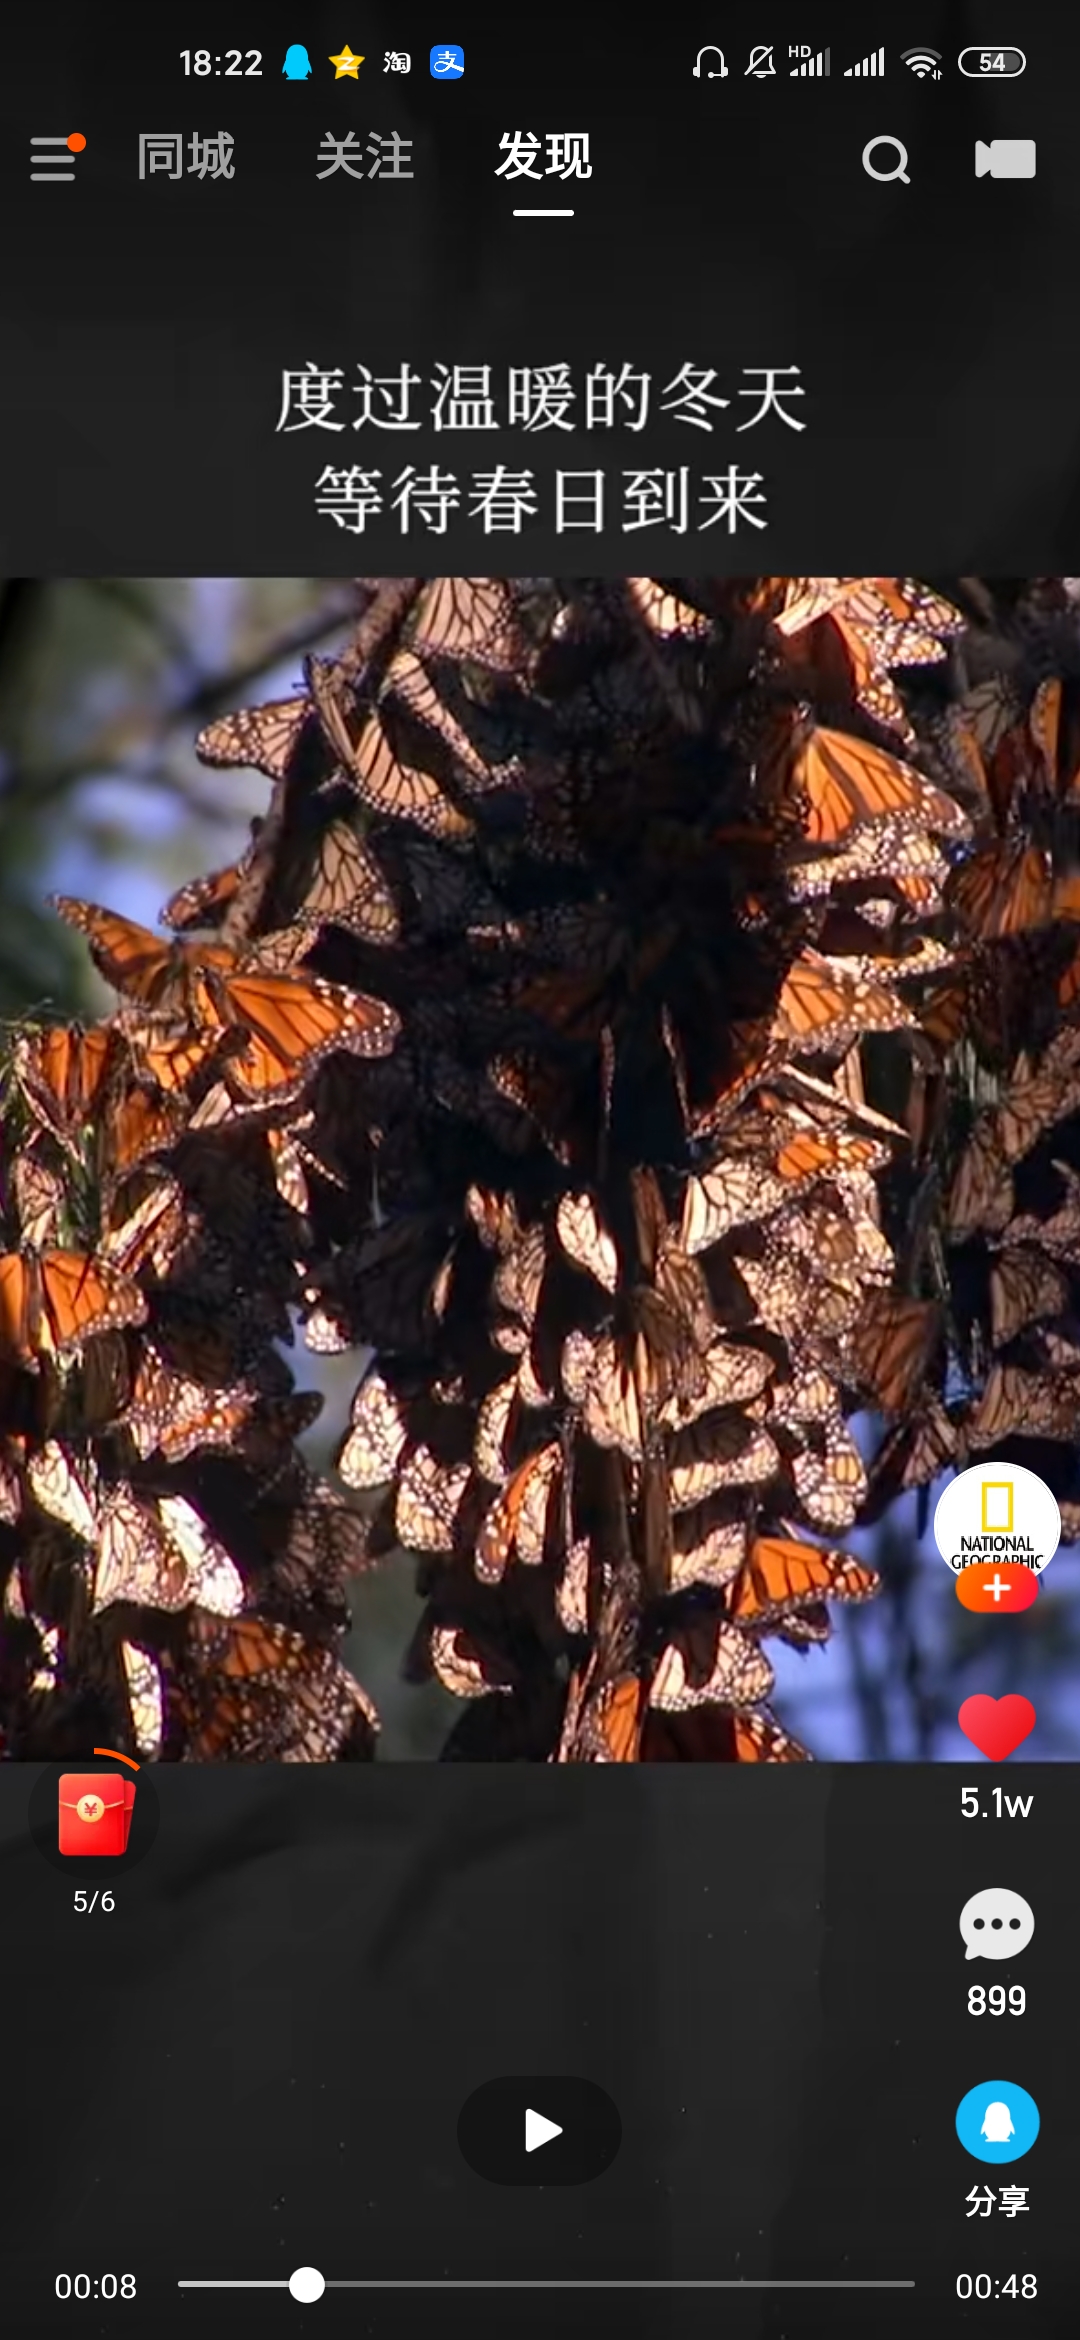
997, 1512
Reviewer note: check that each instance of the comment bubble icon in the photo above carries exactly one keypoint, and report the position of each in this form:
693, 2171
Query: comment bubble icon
996, 1923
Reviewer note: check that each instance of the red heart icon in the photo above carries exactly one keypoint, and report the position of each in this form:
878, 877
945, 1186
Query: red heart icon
996, 1725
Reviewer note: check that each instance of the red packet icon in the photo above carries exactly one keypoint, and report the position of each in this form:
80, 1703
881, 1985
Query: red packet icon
95, 1813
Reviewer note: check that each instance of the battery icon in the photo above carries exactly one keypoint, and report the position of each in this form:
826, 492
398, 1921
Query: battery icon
991, 64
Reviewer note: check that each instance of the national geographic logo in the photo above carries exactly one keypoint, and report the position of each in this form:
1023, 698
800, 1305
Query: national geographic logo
996, 1513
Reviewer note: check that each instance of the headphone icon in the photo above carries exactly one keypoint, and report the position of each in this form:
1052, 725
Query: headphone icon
710, 50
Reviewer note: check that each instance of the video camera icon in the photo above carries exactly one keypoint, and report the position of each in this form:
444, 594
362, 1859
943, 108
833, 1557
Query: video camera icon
1005, 158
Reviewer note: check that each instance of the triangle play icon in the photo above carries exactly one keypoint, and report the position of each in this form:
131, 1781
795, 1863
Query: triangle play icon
539, 2131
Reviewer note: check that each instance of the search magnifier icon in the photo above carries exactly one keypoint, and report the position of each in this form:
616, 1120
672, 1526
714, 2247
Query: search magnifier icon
901, 170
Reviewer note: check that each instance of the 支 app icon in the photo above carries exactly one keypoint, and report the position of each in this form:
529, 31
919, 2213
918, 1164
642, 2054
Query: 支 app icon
997, 2121
447, 62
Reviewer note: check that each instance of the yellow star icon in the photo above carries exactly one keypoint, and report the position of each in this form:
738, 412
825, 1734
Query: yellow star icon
346, 63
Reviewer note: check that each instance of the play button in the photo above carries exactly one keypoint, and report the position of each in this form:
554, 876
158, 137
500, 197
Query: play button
504, 2125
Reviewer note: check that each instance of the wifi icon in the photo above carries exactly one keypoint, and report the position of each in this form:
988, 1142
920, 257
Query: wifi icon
926, 63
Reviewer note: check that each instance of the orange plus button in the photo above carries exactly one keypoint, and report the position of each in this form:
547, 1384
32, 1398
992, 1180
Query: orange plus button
998, 1591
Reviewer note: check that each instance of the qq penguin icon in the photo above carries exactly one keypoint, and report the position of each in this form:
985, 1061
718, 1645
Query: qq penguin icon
997, 2121
997, 1514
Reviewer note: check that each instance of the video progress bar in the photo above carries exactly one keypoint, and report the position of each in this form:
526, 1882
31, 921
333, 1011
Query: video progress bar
562, 2283
521, 212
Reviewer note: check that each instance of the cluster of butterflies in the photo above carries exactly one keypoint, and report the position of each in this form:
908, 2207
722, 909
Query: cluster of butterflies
645, 1023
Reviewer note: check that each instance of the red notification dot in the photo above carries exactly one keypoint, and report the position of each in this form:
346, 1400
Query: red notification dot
996, 1591
76, 142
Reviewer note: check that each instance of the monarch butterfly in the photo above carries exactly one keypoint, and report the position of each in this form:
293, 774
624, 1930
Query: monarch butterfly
720, 1450
602, 1724
719, 1734
834, 1241
467, 1664
244, 1689
136, 961
842, 781
807, 1155
757, 1738
585, 1240
1035, 1102
706, 1662
262, 739
1024, 1288
890, 857
319, 1544
428, 1499
41, 1199
915, 1453
724, 1376
285, 1023
517, 1520
168, 1412
1059, 1232
830, 1479
346, 886
910, 625
467, 617
518, 1278
1031, 1403
393, 786
982, 1195
782, 1575
495, 1426
124, 1084
892, 1346
145, 1706
842, 666
204, 901
160, 1554
664, 611
149, 1239
140, 1124
494, 1216
410, 696
52, 1301
1002, 889
792, 603
66, 1072
822, 1010
600, 1378
378, 1435
734, 1194
68, 1487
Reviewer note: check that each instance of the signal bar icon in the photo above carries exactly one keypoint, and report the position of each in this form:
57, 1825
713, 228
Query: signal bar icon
926, 63
874, 64
810, 64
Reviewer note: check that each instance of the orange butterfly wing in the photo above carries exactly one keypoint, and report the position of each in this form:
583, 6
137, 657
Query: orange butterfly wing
53, 1300
130, 957
291, 1022
758, 1739
782, 1575
65, 1072
1002, 889
845, 781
